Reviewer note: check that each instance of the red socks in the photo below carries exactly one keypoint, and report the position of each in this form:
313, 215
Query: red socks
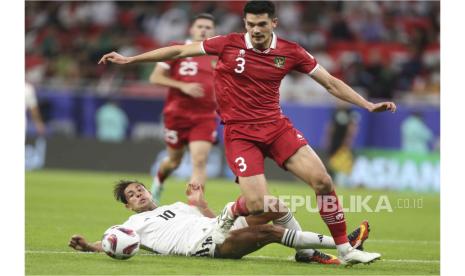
239, 208
332, 214
161, 177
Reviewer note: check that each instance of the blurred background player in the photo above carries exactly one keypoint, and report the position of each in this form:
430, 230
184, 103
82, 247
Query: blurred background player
341, 131
33, 107
247, 80
189, 111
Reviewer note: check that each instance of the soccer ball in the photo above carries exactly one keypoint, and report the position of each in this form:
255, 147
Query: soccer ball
120, 242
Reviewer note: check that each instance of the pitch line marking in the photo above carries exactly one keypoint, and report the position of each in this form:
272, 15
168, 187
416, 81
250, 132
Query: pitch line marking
404, 241
382, 260
246, 257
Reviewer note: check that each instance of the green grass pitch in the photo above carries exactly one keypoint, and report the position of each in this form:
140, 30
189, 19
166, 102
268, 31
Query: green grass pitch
62, 203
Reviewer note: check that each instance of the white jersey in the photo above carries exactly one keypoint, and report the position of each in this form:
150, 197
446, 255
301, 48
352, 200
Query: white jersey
176, 229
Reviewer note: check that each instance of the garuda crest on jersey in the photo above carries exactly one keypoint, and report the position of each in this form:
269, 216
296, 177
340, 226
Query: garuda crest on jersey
279, 61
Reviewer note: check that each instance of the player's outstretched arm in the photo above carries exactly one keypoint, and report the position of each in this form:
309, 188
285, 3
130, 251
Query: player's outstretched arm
344, 92
196, 197
79, 243
161, 54
161, 76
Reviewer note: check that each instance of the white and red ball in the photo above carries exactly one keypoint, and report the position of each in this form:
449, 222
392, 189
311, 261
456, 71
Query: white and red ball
120, 242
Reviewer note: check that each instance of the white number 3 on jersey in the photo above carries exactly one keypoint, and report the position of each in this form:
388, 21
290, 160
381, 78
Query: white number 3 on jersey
240, 161
240, 65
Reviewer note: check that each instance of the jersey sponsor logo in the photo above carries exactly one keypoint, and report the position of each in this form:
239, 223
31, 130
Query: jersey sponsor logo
279, 61
213, 63
241, 53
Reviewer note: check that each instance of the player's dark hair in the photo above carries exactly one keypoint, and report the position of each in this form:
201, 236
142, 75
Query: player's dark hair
119, 188
260, 7
203, 16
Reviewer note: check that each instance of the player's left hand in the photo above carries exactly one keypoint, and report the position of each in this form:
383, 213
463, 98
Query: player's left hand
384, 106
79, 243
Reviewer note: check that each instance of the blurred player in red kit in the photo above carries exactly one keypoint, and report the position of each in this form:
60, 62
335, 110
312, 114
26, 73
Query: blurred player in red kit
189, 111
250, 68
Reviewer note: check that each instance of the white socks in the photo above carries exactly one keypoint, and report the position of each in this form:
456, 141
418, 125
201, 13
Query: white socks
288, 221
306, 240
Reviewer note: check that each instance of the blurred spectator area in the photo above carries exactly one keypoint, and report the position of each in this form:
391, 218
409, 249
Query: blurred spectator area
74, 115
384, 49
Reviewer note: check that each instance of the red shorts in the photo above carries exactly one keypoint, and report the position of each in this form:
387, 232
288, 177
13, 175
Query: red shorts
247, 145
179, 134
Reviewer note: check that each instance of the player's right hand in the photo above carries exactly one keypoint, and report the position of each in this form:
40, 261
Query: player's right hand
115, 58
78, 243
193, 89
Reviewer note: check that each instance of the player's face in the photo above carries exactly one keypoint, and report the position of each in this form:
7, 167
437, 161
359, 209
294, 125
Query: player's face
202, 29
260, 28
138, 198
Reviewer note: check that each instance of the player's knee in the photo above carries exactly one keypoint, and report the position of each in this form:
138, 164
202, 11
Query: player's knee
174, 162
199, 160
323, 184
270, 233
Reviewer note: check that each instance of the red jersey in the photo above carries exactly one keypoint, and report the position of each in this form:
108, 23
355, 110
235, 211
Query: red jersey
192, 69
247, 80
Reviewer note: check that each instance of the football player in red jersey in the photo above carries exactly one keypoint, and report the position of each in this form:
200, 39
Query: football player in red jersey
247, 78
189, 113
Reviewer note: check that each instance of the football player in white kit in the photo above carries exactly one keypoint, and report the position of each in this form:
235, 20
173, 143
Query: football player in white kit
186, 229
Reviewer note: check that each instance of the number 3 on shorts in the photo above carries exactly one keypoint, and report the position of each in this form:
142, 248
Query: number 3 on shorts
240, 161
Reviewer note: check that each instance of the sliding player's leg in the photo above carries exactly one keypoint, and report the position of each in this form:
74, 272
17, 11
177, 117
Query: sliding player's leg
249, 239
275, 211
246, 240
356, 237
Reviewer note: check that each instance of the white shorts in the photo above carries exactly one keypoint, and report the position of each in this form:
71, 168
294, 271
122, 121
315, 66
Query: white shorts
239, 223
206, 247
